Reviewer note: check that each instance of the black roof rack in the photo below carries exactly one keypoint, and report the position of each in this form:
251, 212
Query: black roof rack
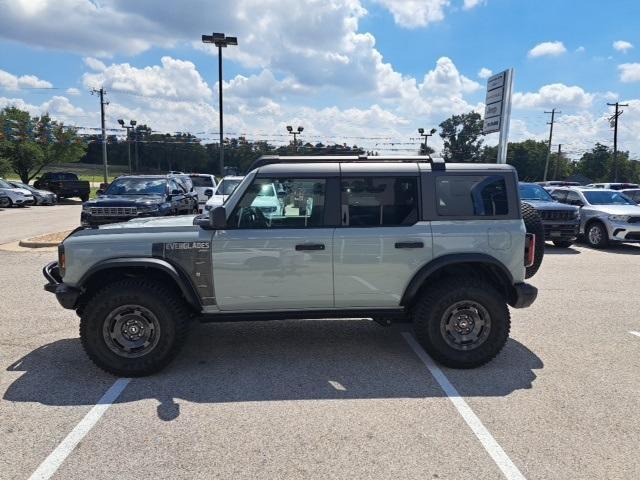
437, 163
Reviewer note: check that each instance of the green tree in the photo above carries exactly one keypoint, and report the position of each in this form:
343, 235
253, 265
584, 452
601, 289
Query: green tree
32, 143
462, 137
595, 164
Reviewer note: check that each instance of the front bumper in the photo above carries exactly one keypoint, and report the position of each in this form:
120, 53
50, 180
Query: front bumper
67, 296
24, 201
522, 295
554, 230
624, 232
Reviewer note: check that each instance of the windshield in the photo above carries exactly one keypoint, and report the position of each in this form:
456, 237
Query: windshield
227, 186
535, 192
199, 181
138, 186
607, 198
4, 184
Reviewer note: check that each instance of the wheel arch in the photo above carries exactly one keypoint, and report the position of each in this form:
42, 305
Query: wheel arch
478, 265
107, 271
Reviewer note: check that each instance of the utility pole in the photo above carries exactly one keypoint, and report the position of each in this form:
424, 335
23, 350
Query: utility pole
614, 119
555, 173
102, 93
546, 165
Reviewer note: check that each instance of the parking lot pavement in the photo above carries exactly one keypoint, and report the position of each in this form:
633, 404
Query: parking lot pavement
20, 223
338, 398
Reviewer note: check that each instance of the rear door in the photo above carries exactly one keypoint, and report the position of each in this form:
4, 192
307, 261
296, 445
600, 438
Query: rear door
278, 256
381, 242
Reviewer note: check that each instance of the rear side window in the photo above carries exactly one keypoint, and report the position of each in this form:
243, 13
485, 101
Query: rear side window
560, 195
471, 196
199, 181
385, 201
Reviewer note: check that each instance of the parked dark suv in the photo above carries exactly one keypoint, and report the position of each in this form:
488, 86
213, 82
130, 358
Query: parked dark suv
138, 196
561, 222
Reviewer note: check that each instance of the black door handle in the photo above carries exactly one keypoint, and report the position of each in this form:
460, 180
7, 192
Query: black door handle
310, 246
409, 245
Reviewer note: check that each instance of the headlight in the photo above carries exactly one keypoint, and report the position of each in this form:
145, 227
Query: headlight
619, 218
85, 207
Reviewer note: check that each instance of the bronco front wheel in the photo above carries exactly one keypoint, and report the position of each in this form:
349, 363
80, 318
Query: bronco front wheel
133, 327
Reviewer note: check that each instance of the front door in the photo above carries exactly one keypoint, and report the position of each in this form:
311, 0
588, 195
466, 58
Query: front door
277, 252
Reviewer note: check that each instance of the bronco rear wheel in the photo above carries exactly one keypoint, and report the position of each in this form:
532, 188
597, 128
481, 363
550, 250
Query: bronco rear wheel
462, 322
133, 327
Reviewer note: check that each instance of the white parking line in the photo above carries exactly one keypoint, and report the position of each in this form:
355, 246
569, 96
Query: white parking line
71, 441
637, 334
492, 447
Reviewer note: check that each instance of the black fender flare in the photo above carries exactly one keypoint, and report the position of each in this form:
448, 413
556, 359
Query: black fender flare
422, 275
175, 272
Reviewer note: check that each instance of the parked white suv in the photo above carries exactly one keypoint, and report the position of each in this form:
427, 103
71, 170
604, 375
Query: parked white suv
225, 188
17, 196
203, 185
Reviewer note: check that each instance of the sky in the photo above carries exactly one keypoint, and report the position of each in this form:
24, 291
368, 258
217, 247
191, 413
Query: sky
365, 72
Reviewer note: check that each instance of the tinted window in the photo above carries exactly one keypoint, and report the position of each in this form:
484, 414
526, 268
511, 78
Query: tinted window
607, 198
387, 201
573, 199
199, 181
137, 186
281, 203
175, 184
63, 176
534, 192
227, 186
560, 195
468, 196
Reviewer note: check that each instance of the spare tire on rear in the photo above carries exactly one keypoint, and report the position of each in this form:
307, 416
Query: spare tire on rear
533, 224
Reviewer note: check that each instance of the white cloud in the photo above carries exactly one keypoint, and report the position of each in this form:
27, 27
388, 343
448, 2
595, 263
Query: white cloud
94, 64
60, 108
552, 49
416, 13
9, 81
72, 91
554, 95
173, 79
629, 72
469, 4
622, 46
484, 73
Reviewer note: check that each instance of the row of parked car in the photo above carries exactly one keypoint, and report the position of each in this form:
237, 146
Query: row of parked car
18, 194
601, 213
139, 196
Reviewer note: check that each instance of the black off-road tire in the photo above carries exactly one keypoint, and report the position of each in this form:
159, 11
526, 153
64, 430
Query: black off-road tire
84, 198
430, 310
169, 310
604, 235
533, 224
563, 243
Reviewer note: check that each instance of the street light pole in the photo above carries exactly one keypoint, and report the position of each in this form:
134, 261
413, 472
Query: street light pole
128, 127
426, 137
220, 41
295, 135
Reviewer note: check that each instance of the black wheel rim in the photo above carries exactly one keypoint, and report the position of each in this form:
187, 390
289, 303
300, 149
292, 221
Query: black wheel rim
131, 331
465, 325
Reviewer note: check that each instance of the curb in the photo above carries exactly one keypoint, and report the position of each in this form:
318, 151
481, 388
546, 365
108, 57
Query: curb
28, 243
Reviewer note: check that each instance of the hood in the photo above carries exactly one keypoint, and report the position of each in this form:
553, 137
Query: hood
616, 209
179, 221
548, 205
124, 200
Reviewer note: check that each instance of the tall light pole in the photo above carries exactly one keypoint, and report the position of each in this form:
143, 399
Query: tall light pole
426, 137
295, 135
131, 125
220, 41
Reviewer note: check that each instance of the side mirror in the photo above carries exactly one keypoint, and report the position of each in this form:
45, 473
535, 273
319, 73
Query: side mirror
218, 218
208, 193
100, 192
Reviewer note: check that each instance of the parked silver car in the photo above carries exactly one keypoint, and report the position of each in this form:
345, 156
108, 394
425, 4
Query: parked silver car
606, 215
41, 197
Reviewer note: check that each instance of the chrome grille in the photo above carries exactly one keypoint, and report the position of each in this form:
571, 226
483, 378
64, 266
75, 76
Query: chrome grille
560, 215
114, 211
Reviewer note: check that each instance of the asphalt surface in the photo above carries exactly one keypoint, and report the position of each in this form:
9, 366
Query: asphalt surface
335, 398
18, 223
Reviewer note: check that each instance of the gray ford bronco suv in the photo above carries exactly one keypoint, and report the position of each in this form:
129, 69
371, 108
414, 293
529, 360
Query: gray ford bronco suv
411, 238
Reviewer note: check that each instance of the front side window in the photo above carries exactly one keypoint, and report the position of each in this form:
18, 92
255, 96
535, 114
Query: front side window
574, 199
281, 203
383, 201
534, 192
471, 196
